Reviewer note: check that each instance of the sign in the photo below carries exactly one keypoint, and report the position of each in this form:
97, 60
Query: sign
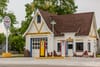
7, 22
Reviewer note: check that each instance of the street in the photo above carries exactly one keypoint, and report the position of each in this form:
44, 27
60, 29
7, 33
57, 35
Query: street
66, 62
41, 66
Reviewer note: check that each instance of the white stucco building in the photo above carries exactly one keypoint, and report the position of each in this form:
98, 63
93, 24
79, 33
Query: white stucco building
61, 35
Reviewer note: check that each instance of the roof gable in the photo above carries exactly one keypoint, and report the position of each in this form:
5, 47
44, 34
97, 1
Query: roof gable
35, 27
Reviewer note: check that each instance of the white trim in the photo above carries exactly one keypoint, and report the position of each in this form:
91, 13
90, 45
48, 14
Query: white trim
30, 24
93, 24
45, 22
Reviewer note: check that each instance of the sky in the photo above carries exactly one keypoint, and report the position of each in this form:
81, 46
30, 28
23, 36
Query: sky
18, 8
90, 6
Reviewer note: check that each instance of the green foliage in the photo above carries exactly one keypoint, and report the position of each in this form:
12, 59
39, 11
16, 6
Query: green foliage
3, 5
55, 6
2, 38
99, 31
16, 42
12, 17
25, 25
3, 12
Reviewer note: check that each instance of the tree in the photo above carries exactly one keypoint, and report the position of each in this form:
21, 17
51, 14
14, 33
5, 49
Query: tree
53, 6
2, 38
3, 12
99, 31
3, 5
16, 42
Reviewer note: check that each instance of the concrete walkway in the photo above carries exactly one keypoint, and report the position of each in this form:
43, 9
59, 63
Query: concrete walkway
69, 61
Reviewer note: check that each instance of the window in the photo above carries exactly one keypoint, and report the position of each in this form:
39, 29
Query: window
79, 46
59, 47
36, 42
89, 47
38, 19
70, 46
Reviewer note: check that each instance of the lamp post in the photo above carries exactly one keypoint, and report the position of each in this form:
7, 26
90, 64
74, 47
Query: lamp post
53, 23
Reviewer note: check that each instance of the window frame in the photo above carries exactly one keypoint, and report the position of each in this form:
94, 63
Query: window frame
36, 42
58, 47
89, 47
38, 19
78, 47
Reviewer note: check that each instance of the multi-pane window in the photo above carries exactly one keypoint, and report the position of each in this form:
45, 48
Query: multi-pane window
89, 47
79, 46
36, 42
38, 19
59, 47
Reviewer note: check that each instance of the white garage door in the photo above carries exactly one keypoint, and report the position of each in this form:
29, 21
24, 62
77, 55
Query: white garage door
36, 46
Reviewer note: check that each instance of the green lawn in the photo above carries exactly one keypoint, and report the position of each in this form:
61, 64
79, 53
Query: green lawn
98, 56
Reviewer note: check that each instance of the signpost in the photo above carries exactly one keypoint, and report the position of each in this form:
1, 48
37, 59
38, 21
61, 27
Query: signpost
7, 23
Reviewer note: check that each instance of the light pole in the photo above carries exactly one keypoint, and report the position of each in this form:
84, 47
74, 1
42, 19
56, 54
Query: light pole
53, 23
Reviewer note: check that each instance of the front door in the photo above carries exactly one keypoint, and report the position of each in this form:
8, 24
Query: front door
69, 49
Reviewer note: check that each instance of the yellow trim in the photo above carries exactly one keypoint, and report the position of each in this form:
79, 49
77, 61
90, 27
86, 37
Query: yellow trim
36, 26
38, 33
41, 27
78, 39
70, 39
93, 36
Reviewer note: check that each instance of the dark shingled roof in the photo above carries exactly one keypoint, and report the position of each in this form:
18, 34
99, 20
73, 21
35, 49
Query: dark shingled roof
79, 23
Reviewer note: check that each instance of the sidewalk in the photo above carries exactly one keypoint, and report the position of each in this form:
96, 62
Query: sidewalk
67, 61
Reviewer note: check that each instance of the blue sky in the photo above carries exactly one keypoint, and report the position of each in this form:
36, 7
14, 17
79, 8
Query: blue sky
17, 6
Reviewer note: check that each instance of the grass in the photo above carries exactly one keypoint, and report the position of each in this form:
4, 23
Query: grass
17, 55
98, 56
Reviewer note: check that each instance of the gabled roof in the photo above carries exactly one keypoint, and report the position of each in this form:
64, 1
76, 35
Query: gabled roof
79, 23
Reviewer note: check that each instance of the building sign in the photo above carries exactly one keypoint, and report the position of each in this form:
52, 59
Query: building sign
7, 22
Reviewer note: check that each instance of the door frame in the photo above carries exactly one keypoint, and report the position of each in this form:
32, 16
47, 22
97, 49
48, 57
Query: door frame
66, 48
30, 47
